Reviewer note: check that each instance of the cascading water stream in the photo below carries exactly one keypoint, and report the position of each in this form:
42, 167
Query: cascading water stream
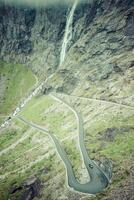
68, 33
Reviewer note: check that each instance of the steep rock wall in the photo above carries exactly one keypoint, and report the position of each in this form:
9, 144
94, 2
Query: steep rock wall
33, 36
102, 51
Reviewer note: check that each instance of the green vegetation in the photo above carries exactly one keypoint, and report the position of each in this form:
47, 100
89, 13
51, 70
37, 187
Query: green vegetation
16, 80
37, 150
35, 109
1, 119
121, 148
8, 137
37, 155
45, 111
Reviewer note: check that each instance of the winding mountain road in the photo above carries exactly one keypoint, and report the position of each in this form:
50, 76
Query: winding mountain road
99, 176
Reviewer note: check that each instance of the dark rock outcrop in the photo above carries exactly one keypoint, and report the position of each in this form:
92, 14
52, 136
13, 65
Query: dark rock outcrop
32, 190
129, 29
15, 189
110, 133
29, 189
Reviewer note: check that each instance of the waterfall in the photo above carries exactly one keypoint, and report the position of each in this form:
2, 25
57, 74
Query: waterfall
68, 33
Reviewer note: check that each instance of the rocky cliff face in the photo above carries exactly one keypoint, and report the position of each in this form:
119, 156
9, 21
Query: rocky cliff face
34, 35
100, 58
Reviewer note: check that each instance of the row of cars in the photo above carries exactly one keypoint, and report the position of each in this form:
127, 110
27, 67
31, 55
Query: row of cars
18, 109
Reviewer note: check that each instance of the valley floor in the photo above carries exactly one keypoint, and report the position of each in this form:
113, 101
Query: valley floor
26, 152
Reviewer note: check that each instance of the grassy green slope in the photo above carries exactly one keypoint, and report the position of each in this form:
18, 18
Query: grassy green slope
16, 80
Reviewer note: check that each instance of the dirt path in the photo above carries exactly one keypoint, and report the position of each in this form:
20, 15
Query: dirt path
98, 100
